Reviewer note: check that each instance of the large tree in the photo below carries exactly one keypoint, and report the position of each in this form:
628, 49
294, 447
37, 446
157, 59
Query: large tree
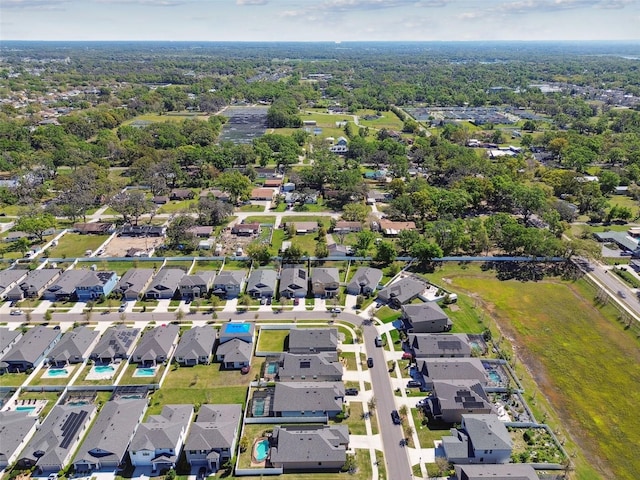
131, 204
36, 224
237, 185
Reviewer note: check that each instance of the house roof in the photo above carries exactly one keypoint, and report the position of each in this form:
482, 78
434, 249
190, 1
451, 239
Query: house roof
507, 471
215, 427
74, 343
135, 280
245, 227
32, 345
621, 238
313, 339
486, 431
393, 228
201, 279
196, 342
14, 427
365, 277
294, 278
7, 337
424, 312
403, 290
93, 227
157, 342
325, 275
436, 344
307, 443
95, 279
460, 395
166, 279
67, 282
308, 396
162, 431
297, 366
453, 369
262, 193
230, 277
37, 279
201, 230
111, 432
343, 225
116, 341
262, 280
304, 226
235, 350
9, 276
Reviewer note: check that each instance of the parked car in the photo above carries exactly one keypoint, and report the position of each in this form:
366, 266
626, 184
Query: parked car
336, 310
296, 301
263, 301
407, 356
395, 417
245, 370
123, 307
351, 391
16, 312
370, 362
414, 384
378, 341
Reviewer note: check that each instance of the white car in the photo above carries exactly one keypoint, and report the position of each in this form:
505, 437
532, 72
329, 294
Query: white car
336, 310
16, 312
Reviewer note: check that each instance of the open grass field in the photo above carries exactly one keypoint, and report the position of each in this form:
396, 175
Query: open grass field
584, 362
251, 208
388, 120
177, 206
75, 245
272, 340
307, 243
171, 117
624, 201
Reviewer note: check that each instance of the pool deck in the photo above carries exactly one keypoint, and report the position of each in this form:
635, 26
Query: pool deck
254, 461
69, 369
38, 404
93, 375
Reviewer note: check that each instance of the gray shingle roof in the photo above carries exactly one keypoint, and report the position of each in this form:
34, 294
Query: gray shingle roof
486, 432
74, 345
294, 278
403, 290
325, 275
135, 280
117, 341
262, 281
157, 342
9, 276
365, 277
235, 350
196, 342
36, 280
14, 427
202, 279
306, 443
453, 369
309, 340
215, 428
162, 431
308, 396
436, 344
32, 345
7, 337
167, 279
230, 277
511, 471
66, 284
297, 367
460, 394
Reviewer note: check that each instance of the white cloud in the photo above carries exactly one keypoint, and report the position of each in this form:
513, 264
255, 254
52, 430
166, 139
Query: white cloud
35, 4
251, 2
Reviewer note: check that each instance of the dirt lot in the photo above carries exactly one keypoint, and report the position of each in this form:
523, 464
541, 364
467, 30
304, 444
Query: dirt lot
230, 243
119, 245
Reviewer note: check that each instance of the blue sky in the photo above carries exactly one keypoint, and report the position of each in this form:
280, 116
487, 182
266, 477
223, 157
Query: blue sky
319, 20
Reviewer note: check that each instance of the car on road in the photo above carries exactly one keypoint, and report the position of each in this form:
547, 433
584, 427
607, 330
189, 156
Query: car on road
621, 294
16, 312
336, 310
378, 341
413, 384
395, 417
351, 391
370, 362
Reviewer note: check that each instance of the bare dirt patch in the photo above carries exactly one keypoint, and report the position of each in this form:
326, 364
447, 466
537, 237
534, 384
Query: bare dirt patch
119, 246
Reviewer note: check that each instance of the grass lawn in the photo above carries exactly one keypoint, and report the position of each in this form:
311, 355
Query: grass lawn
202, 265
428, 433
262, 219
387, 315
382, 468
129, 379
388, 120
465, 316
13, 210
306, 242
350, 359
51, 397
272, 340
251, 208
183, 264
565, 339
120, 266
73, 245
355, 422
12, 379
236, 265
83, 381
308, 218
173, 117
276, 241
177, 206
624, 201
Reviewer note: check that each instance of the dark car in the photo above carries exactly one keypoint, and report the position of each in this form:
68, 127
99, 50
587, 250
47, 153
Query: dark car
370, 362
414, 384
268, 300
407, 356
395, 417
202, 473
351, 391
296, 301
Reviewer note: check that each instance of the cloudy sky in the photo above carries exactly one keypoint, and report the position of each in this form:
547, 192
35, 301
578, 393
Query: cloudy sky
319, 20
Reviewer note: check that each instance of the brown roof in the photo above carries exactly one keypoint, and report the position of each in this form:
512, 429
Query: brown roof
201, 230
94, 227
246, 227
342, 224
304, 226
389, 225
262, 193
273, 182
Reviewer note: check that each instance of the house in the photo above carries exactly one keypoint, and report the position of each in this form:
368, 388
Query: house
365, 281
217, 194
116, 343
107, 441
8, 338
156, 345
229, 283
426, 317
481, 438
201, 231
340, 147
51, 447
165, 284
392, 229
64, 287
305, 197
293, 282
452, 398
262, 194
195, 346
95, 285
34, 284
343, 226
16, 429
262, 283
10, 279
94, 228
143, 231
622, 239
436, 345
313, 340
31, 349
302, 228
246, 229
402, 291
160, 200
213, 436
73, 347
157, 442
196, 286
181, 194
273, 183
234, 354
309, 447
325, 282
288, 187
134, 282
433, 369
511, 471
244, 331
336, 250
320, 367
308, 399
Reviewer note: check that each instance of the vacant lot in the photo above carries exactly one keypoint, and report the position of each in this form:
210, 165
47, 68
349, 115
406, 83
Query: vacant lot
272, 340
73, 245
585, 363
119, 245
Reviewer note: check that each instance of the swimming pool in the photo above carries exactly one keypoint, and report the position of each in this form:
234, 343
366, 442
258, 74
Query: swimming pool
104, 369
25, 409
57, 372
237, 327
258, 407
262, 450
494, 376
145, 372
272, 368
77, 403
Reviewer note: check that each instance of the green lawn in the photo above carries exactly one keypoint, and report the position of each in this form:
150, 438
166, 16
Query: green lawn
624, 201
387, 315
129, 379
388, 120
121, 266
73, 245
565, 340
251, 208
306, 242
272, 340
177, 206
171, 117
12, 379
51, 397
263, 219
202, 265
428, 432
83, 381
183, 264
276, 241
355, 421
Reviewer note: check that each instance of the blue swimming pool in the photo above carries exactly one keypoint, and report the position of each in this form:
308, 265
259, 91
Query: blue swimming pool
494, 376
25, 409
145, 372
237, 327
272, 368
103, 369
57, 372
258, 407
262, 450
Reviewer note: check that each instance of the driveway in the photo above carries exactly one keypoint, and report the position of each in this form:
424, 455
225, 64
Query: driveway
163, 306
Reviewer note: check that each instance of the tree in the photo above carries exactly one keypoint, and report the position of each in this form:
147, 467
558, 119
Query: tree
178, 234
407, 238
364, 239
355, 212
322, 250
131, 204
293, 254
258, 252
385, 253
237, 185
36, 224
608, 181
425, 251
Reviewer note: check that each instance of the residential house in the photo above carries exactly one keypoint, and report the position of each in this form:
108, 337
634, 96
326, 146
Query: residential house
302, 228
213, 436
262, 194
10, 279
31, 349
320, 367
160, 200
244, 331
165, 284
288, 187
8, 338
245, 229
94, 228
95, 285
201, 231
433, 369
73, 347
134, 282
294, 282
262, 283
304, 197
308, 399
273, 183
196, 286
217, 194
392, 229
510, 471
64, 288
309, 448
181, 194
402, 291
345, 227
143, 231
158, 442
625, 241
235, 344
313, 340
452, 398
336, 250
195, 346
365, 281
439, 345
16, 429
107, 441
116, 343
481, 438
229, 283
426, 317
51, 447
156, 345
340, 147
325, 282
34, 284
